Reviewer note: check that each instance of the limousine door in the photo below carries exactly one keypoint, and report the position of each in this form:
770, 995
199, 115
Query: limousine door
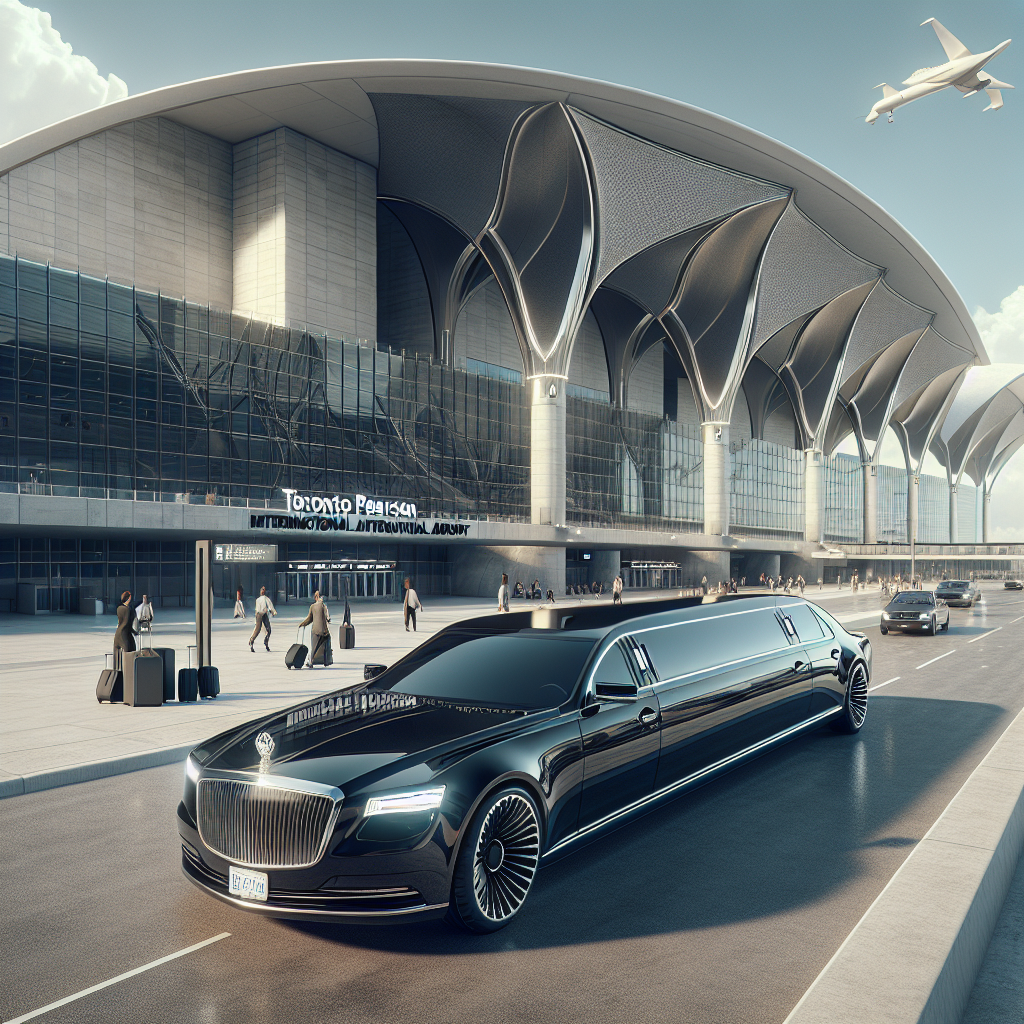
727, 681
620, 741
821, 647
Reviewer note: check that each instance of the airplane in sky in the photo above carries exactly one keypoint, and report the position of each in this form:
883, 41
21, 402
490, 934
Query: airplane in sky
962, 71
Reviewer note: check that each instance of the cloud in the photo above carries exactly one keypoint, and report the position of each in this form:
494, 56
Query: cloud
1003, 332
41, 80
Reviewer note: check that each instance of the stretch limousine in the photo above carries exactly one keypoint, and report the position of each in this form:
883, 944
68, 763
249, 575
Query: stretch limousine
440, 785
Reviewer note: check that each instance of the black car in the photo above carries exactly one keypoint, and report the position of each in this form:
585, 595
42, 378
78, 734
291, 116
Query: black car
1013, 585
442, 784
957, 593
915, 611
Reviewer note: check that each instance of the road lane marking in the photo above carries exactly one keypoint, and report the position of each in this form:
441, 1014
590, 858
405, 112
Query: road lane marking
886, 683
983, 635
1012, 621
114, 981
939, 658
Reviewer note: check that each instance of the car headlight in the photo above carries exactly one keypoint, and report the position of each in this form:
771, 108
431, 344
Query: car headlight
394, 803
885, 615
925, 615
192, 767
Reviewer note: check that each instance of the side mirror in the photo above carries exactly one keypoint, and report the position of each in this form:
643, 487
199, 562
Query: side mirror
617, 693
370, 671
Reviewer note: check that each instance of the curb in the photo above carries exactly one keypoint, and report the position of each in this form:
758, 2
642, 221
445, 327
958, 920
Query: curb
915, 955
36, 782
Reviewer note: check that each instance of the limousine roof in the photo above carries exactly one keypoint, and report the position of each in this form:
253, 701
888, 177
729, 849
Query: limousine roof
599, 619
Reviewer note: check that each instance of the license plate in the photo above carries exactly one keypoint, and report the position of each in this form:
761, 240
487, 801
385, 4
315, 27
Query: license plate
250, 885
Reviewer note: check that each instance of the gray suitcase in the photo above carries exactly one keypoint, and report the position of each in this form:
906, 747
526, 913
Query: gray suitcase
143, 679
167, 654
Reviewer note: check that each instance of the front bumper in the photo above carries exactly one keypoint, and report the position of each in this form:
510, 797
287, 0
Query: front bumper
337, 888
957, 602
907, 625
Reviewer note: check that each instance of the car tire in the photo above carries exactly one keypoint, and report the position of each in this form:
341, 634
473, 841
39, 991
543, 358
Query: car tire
882, 630
855, 703
496, 863
930, 631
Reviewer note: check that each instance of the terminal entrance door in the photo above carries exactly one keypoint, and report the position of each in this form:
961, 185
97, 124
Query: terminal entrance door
376, 584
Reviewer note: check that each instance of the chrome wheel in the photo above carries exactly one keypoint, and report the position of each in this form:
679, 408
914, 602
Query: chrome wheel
506, 856
857, 697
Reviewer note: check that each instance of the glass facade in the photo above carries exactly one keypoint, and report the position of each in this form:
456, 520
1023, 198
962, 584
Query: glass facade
932, 511
892, 503
767, 492
844, 498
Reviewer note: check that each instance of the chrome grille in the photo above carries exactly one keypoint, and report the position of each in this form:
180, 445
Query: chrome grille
263, 825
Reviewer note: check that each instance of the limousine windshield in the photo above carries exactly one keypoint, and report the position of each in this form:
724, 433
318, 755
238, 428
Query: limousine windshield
521, 671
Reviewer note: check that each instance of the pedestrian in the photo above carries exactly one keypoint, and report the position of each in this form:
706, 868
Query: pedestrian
320, 633
503, 593
801, 583
536, 589
264, 609
239, 606
551, 596
144, 613
617, 590
704, 584
743, 581
410, 605
820, 583
124, 636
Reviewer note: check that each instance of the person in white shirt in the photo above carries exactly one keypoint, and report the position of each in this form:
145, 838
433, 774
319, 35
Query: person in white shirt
144, 613
264, 609
239, 606
410, 605
503, 593
617, 590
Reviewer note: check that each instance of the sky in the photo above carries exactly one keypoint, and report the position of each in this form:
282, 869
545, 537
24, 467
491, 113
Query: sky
801, 72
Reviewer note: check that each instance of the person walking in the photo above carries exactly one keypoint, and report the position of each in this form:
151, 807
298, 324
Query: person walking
704, 584
503, 593
536, 589
144, 613
264, 609
617, 590
320, 634
239, 607
125, 634
410, 605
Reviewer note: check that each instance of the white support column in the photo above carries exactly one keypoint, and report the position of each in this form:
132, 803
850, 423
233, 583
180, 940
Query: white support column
954, 530
814, 488
986, 499
913, 490
870, 471
716, 478
547, 451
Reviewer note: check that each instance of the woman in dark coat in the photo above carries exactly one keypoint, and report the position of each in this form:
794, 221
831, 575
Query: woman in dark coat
124, 638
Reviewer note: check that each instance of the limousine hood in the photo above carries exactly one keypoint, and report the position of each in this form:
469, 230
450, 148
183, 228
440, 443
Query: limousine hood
349, 734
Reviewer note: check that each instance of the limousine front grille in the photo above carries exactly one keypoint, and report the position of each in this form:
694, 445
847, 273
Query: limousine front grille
263, 826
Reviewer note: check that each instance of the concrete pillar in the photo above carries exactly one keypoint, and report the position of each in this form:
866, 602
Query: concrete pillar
716, 478
814, 490
954, 530
204, 602
986, 499
547, 451
870, 472
476, 569
913, 490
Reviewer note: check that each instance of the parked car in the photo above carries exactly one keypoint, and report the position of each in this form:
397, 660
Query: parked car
915, 611
1013, 585
440, 785
958, 593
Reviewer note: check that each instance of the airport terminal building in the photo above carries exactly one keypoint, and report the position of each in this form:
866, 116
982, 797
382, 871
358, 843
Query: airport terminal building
358, 321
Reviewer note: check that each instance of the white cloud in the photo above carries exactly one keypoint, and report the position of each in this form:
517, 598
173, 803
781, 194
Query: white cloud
41, 80
1003, 332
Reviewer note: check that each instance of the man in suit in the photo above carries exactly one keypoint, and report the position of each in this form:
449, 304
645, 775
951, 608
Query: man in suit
319, 618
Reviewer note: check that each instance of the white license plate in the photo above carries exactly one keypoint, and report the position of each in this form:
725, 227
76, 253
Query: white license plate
250, 885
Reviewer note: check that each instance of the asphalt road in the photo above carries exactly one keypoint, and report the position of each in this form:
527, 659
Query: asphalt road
720, 907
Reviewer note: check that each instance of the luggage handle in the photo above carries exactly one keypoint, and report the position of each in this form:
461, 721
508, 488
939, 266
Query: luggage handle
190, 648
109, 655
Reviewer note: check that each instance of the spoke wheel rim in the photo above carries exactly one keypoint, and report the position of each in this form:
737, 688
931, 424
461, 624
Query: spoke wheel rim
510, 824
858, 698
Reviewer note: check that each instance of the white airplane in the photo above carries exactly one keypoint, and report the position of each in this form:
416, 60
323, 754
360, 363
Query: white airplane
962, 71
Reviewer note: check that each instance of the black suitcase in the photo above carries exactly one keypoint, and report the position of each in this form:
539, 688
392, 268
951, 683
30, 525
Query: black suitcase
188, 682
143, 679
296, 656
111, 685
347, 636
167, 656
209, 682
325, 655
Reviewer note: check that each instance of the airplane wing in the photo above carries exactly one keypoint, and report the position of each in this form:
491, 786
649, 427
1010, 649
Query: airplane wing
953, 47
995, 99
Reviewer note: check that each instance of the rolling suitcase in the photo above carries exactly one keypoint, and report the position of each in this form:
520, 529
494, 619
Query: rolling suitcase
111, 684
296, 656
188, 682
325, 655
209, 682
167, 656
143, 679
347, 636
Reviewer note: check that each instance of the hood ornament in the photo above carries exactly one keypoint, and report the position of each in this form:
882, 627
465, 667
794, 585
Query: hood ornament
265, 746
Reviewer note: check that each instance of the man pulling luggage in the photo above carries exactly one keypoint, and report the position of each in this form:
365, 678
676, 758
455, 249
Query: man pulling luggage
319, 618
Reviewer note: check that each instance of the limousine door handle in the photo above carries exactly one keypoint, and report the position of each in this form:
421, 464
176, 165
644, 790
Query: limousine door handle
647, 716
799, 665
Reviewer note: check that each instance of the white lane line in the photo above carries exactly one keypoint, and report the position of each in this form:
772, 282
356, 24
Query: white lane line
983, 635
1012, 621
114, 981
886, 683
939, 658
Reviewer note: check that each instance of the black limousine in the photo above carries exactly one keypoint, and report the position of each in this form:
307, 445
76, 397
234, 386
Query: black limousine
439, 786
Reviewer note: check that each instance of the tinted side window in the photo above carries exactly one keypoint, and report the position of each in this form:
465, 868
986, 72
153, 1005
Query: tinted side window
612, 667
829, 632
806, 622
704, 643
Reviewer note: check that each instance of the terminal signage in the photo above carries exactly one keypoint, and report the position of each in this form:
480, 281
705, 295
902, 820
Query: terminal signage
334, 505
245, 552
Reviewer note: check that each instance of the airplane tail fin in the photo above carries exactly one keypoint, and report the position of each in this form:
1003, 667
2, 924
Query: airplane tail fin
953, 47
887, 90
995, 99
